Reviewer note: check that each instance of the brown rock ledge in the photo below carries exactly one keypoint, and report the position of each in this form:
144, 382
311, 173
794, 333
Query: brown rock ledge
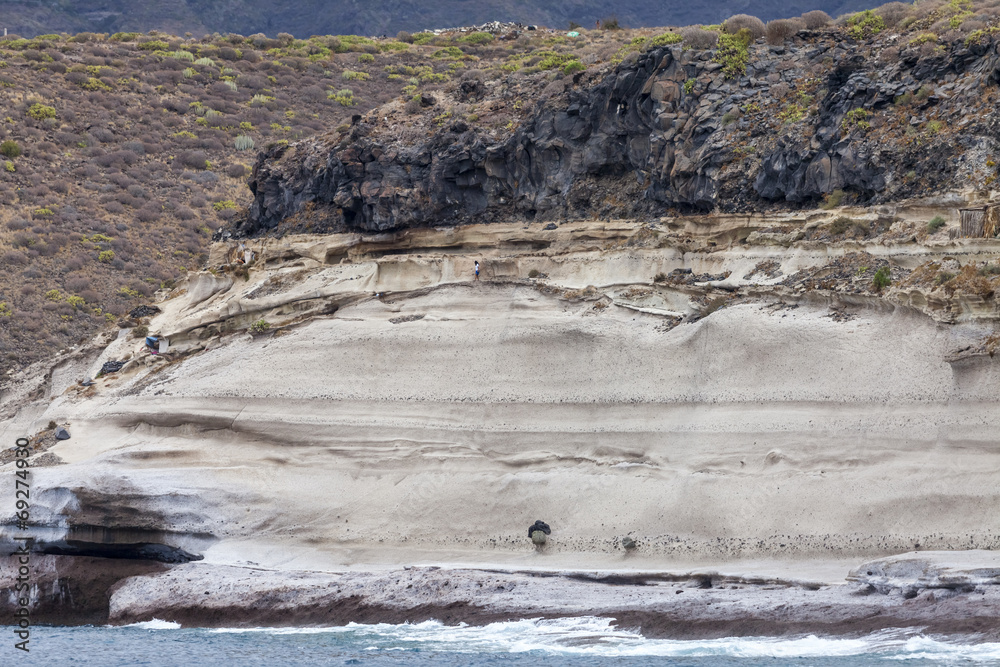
682, 606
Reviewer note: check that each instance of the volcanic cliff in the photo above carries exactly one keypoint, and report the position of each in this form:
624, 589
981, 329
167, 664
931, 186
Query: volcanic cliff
670, 129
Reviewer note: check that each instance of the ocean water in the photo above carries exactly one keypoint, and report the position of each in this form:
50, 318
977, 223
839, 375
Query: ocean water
580, 642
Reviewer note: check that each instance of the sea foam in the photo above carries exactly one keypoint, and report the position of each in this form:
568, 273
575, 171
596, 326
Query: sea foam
155, 624
600, 637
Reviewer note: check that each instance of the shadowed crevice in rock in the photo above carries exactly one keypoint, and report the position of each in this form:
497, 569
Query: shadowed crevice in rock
160, 553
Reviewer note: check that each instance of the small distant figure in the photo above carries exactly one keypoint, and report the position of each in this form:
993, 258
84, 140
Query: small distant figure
539, 532
477, 269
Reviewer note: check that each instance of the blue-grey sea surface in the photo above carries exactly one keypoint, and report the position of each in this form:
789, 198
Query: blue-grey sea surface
584, 641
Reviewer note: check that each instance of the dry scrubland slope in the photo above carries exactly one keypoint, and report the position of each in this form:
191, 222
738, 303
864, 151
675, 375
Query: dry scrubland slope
121, 153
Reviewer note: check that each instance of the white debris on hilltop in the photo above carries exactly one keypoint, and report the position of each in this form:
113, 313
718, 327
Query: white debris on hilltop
493, 27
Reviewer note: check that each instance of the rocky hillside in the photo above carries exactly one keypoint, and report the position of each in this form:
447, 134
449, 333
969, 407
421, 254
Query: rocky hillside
855, 113
121, 154
303, 18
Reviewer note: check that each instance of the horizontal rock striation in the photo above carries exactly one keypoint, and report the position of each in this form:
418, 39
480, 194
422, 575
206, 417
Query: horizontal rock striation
666, 129
663, 397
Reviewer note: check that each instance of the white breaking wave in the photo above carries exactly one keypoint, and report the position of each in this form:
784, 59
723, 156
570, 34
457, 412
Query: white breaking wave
155, 624
288, 631
600, 637
926, 648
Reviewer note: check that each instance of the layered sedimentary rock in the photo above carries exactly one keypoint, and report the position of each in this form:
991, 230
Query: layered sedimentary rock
701, 394
666, 130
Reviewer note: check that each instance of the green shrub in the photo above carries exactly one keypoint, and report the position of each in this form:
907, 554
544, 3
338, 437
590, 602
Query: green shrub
243, 143
106, 256
10, 149
124, 37
354, 76
393, 46
981, 36
572, 67
422, 38
76, 301
154, 45
224, 205
936, 223
260, 326
449, 53
39, 111
665, 39
366, 58
54, 295
882, 279
5, 310
354, 43
344, 97
793, 113
689, 86
477, 38
734, 53
855, 118
923, 38
94, 85
833, 200
865, 24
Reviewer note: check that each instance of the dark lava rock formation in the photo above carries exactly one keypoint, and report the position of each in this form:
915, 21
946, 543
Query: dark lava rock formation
666, 130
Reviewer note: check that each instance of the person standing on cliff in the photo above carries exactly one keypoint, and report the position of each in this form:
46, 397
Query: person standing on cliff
477, 269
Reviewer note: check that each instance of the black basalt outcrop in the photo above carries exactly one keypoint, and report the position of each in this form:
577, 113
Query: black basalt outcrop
665, 130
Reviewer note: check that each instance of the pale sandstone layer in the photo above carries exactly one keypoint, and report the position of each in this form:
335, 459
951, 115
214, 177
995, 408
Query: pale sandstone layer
400, 412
